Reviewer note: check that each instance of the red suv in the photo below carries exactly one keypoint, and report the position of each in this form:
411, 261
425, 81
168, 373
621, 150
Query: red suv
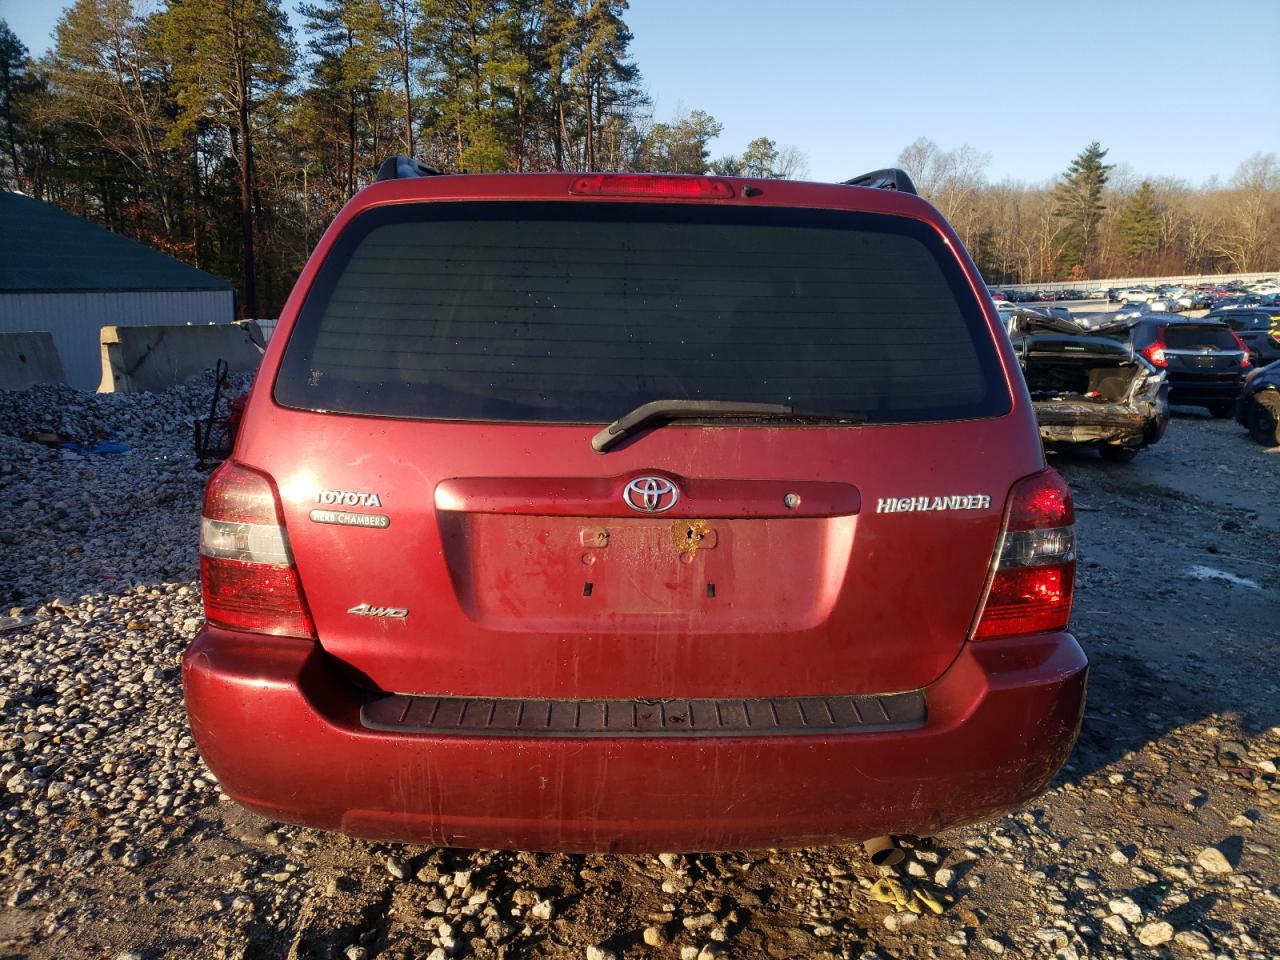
636, 512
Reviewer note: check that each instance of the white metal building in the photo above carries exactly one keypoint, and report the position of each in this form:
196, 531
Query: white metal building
71, 277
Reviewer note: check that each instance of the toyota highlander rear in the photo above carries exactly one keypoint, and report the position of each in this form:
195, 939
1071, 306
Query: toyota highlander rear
634, 513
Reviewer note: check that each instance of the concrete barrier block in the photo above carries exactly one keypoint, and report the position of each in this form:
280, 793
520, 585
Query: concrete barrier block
154, 358
29, 358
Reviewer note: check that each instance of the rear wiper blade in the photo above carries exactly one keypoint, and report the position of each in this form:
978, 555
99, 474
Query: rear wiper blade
666, 410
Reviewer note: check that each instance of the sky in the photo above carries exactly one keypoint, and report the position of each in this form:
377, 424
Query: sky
1171, 87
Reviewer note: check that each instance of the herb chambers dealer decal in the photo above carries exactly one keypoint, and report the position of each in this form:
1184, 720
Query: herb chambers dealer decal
350, 498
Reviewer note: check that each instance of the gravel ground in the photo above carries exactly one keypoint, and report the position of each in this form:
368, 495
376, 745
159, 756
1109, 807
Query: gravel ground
1159, 839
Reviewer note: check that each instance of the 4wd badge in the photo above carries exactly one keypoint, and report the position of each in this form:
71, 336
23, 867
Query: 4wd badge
389, 613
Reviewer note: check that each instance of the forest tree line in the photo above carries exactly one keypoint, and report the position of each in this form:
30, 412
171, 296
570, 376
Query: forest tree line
1101, 220
214, 131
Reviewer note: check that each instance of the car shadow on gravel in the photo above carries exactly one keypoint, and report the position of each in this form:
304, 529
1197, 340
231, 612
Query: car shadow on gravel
1169, 648
1131, 706
367, 926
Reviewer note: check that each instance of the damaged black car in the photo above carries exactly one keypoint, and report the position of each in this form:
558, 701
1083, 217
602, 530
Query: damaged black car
1258, 409
1088, 390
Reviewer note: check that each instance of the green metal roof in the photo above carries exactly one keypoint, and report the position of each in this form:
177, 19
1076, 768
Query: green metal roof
43, 248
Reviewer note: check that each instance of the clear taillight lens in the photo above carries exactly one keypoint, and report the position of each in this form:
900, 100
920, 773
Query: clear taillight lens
246, 568
1034, 577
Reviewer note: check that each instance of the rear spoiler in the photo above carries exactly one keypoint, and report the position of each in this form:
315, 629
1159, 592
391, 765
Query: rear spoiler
405, 168
888, 179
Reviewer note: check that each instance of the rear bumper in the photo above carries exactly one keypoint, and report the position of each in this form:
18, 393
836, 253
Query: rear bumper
1088, 423
280, 728
1193, 390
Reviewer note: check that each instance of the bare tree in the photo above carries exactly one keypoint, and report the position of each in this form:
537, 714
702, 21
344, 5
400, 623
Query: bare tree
950, 179
792, 163
1250, 214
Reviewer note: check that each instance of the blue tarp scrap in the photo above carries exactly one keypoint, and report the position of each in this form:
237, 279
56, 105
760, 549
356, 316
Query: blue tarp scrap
101, 447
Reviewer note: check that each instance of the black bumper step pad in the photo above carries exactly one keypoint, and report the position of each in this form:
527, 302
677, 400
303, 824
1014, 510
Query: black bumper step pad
790, 716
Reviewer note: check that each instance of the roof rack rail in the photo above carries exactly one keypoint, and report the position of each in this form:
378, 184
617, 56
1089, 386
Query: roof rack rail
403, 168
889, 179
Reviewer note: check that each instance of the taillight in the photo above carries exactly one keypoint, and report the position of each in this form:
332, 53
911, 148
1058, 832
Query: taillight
1155, 353
649, 185
1035, 566
246, 567
1245, 361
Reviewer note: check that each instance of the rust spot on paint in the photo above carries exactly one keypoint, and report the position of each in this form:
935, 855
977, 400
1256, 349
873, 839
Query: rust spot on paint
690, 536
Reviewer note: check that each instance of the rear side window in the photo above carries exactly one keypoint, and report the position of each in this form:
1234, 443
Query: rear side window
578, 312
1188, 337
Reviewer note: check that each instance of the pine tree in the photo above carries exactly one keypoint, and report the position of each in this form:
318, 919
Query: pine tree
1078, 200
681, 146
1137, 226
764, 160
232, 63
592, 88
14, 66
605, 78
340, 109
111, 90
400, 51
760, 158
462, 39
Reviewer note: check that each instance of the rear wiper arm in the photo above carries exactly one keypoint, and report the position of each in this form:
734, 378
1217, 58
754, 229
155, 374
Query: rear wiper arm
666, 410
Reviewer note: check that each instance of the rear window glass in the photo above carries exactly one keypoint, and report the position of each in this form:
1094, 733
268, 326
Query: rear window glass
1189, 337
578, 312
1248, 321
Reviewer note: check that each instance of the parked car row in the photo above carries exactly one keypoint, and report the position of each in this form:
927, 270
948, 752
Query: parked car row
1173, 299
1197, 296
1187, 297
1045, 296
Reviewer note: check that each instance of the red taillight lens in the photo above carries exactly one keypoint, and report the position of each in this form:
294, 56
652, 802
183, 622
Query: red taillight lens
254, 597
1245, 361
1155, 353
648, 185
1028, 601
246, 567
1034, 577
1039, 502
236, 493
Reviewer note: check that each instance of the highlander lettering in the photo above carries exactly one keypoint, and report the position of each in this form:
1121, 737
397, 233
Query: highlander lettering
973, 501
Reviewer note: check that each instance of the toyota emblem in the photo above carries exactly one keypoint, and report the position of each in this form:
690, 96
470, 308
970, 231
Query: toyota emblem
651, 494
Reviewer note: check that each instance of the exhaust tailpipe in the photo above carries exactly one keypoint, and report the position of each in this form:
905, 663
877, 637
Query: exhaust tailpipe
884, 851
